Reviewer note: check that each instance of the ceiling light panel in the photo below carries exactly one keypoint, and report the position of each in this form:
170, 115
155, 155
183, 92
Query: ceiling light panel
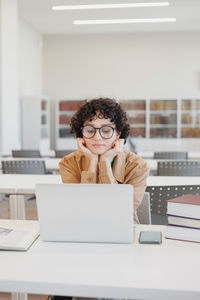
123, 21
104, 6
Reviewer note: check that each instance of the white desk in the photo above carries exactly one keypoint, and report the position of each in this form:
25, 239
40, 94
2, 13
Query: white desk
18, 185
172, 180
52, 164
192, 155
152, 163
151, 272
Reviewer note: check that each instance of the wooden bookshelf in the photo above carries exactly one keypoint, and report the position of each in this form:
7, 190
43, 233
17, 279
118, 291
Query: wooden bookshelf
64, 112
136, 113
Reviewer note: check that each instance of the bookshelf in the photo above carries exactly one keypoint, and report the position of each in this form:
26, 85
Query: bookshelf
190, 118
163, 118
136, 112
35, 121
64, 111
148, 118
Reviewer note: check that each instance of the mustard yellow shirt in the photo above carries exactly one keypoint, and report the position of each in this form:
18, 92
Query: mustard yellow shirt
128, 168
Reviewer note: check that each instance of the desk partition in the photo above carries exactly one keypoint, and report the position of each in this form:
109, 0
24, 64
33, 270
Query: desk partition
159, 196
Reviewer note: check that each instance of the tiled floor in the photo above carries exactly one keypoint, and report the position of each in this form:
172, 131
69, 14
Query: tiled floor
31, 214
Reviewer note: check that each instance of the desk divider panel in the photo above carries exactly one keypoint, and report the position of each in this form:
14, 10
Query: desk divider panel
159, 196
179, 168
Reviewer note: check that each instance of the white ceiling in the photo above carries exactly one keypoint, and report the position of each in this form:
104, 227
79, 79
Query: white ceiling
39, 15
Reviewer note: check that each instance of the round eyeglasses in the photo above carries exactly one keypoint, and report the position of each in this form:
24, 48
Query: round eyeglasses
106, 132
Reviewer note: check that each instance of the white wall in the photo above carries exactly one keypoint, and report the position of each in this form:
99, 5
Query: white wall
30, 73
122, 65
30, 60
9, 72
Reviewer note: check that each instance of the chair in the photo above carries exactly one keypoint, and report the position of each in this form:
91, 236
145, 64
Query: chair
132, 145
159, 196
26, 153
179, 168
171, 155
23, 167
62, 153
143, 211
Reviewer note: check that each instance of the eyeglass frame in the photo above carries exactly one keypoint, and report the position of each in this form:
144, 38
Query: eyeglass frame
99, 128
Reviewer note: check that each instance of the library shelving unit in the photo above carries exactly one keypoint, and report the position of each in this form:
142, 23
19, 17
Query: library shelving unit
149, 119
136, 112
190, 118
35, 123
163, 118
64, 111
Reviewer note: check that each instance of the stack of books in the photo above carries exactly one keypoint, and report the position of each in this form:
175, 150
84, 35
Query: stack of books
184, 218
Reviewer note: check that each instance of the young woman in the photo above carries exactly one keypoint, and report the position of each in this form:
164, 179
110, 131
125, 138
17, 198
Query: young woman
101, 129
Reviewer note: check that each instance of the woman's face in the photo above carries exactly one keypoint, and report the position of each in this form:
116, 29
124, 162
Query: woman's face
97, 144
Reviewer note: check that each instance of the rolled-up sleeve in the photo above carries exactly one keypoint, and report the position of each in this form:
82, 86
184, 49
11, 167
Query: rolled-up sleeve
105, 173
71, 173
87, 177
137, 172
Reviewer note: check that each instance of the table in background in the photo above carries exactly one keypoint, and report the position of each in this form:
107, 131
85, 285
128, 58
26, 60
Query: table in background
17, 186
192, 155
173, 180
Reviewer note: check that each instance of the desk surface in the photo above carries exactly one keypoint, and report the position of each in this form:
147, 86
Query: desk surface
172, 180
25, 184
133, 271
150, 154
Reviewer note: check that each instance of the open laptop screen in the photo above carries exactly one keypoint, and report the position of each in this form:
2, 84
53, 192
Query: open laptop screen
85, 212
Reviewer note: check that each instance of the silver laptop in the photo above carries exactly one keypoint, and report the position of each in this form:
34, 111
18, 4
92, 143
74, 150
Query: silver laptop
85, 212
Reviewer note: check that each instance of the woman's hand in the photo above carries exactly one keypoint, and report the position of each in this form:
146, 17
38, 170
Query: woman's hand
117, 147
85, 151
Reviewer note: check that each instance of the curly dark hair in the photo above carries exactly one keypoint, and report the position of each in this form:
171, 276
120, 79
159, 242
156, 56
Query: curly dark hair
108, 109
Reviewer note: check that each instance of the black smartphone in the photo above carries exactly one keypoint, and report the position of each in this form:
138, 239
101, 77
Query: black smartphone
150, 237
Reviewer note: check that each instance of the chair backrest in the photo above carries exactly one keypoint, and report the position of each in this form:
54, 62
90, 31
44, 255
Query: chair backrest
179, 168
26, 153
23, 167
171, 155
62, 153
132, 145
159, 196
144, 211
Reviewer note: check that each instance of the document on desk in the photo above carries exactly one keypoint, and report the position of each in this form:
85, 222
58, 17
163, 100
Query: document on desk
17, 239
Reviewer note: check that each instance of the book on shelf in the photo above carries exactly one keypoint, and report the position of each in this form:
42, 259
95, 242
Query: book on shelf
187, 205
183, 221
183, 215
12, 238
183, 233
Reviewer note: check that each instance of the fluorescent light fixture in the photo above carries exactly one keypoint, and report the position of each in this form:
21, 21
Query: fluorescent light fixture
101, 6
124, 21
